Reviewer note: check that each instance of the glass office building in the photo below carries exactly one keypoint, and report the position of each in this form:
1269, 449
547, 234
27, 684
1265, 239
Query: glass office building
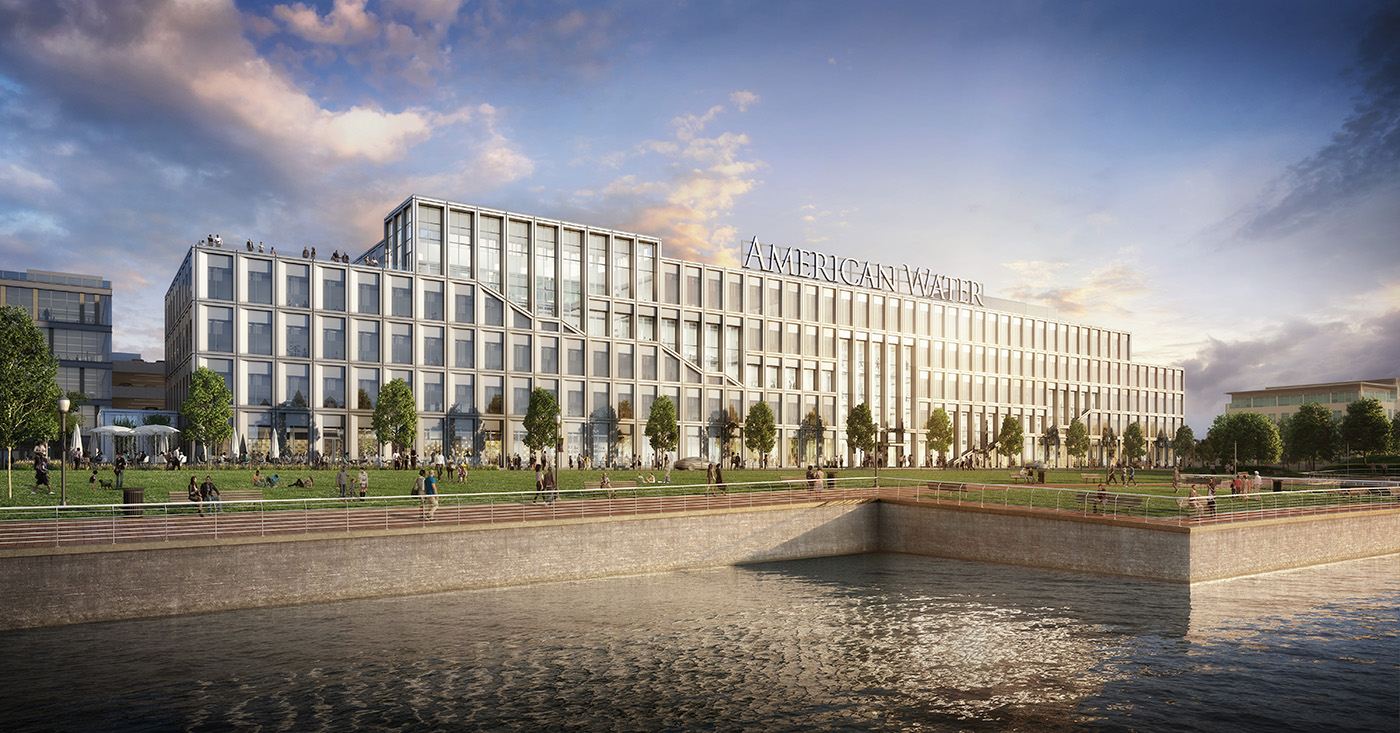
74, 312
475, 307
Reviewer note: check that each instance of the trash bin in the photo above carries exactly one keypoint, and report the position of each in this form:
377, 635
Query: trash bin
133, 495
1041, 475
1278, 484
831, 480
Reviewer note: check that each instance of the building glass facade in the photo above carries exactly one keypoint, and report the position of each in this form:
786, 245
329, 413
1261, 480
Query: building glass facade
509, 302
74, 312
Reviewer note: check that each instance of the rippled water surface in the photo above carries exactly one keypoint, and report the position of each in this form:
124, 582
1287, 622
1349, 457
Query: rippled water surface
872, 642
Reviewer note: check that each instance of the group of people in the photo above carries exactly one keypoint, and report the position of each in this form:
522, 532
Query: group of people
548, 490
202, 493
1129, 475
714, 480
816, 477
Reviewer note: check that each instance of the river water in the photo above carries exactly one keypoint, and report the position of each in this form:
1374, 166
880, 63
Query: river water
870, 642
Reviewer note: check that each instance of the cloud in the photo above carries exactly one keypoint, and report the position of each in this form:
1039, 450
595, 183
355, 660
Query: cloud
347, 22
703, 178
15, 176
1108, 290
1295, 352
1363, 158
743, 99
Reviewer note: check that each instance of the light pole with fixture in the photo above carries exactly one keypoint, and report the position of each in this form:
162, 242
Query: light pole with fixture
63, 404
558, 446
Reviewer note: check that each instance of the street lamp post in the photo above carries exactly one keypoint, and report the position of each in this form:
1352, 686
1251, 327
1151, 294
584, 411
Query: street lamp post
63, 405
558, 446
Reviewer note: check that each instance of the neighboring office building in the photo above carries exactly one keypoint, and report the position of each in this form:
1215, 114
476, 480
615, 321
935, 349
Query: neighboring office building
474, 307
1277, 403
74, 312
137, 384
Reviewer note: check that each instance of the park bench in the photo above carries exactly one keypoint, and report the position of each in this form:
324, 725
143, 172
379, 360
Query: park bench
945, 486
1090, 478
1111, 502
241, 494
1019, 476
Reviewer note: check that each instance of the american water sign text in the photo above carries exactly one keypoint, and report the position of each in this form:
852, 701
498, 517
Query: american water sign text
830, 268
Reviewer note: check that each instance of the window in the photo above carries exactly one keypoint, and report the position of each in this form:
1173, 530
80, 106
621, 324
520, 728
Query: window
298, 340
433, 392
298, 392
646, 271
333, 338
430, 240
671, 282
549, 354
571, 275
490, 266
622, 268
597, 264
298, 291
493, 343
518, 263
401, 343
463, 393
692, 287
545, 247
369, 293
260, 333
520, 352
432, 345
219, 329
401, 297
259, 281
367, 388
463, 303
492, 388
573, 356
220, 277
624, 361
259, 383
333, 289
433, 306
333, 386
367, 340
459, 244
600, 359
463, 348
495, 311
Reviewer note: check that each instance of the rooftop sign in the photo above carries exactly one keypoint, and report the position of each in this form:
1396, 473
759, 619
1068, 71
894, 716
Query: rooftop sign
902, 279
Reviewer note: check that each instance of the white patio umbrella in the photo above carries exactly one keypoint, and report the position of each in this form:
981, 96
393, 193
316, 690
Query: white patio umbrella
77, 443
115, 431
276, 448
156, 430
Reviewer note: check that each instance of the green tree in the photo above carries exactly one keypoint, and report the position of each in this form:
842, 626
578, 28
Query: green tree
760, 431
28, 393
208, 410
1364, 427
1077, 439
1011, 440
860, 429
1395, 432
1134, 443
1310, 434
728, 431
541, 423
938, 432
1184, 443
1248, 436
395, 418
663, 430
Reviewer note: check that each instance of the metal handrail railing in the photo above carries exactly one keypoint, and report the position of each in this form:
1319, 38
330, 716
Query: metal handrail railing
50, 526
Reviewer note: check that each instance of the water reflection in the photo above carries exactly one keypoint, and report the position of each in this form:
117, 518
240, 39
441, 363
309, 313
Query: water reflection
865, 642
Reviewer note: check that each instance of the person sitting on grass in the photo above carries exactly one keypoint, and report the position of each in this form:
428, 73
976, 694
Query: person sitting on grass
301, 483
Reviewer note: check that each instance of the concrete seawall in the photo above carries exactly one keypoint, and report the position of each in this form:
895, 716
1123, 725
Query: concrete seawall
59, 586
82, 584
